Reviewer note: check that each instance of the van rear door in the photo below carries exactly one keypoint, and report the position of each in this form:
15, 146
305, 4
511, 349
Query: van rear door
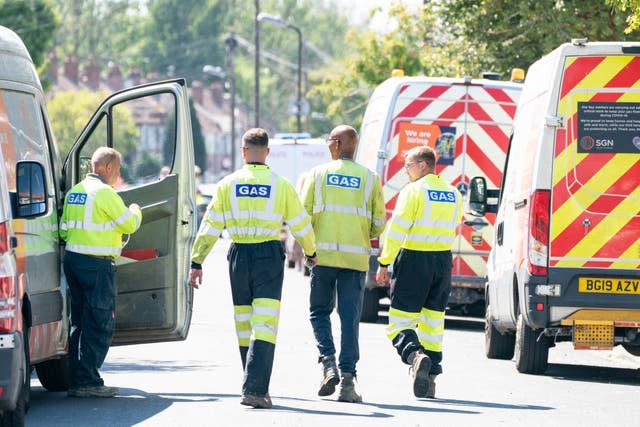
595, 204
151, 126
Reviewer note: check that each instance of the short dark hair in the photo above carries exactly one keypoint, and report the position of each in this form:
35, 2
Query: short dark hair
423, 154
256, 137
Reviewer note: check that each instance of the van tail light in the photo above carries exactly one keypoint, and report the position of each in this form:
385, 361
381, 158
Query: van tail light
539, 233
8, 299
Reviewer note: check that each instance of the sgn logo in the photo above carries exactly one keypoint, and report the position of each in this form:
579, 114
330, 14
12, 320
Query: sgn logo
344, 181
77, 199
253, 190
441, 196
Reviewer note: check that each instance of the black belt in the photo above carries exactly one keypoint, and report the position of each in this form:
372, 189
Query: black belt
104, 257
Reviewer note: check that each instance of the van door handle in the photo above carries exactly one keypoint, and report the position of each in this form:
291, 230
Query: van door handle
500, 233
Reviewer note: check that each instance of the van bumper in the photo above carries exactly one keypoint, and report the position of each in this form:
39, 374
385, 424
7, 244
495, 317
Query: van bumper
11, 365
536, 307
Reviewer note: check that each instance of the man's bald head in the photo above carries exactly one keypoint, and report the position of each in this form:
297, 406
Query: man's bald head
106, 163
343, 141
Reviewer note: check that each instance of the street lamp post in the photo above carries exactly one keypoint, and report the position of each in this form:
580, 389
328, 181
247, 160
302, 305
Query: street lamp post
231, 43
284, 24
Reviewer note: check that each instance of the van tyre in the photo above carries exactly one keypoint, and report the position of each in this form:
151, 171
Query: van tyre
15, 418
370, 306
532, 354
54, 374
497, 345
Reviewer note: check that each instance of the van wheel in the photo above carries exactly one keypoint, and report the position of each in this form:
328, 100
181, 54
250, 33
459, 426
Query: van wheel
15, 418
532, 350
54, 374
370, 306
497, 345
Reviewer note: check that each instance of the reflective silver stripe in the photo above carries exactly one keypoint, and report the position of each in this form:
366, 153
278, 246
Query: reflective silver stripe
271, 202
214, 216
123, 218
402, 222
347, 210
298, 219
267, 216
429, 338
367, 190
379, 222
400, 323
63, 225
434, 323
266, 311
343, 248
253, 231
212, 231
93, 250
271, 329
318, 206
395, 235
439, 223
243, 334
303, 232
430, 238
233, 199
242, 317
82, 225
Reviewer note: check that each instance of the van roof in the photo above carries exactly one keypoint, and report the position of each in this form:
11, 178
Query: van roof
396, 81
16, 64
594, 48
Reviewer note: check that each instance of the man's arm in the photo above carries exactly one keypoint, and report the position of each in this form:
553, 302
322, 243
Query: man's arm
398, 227
378, 212
126, 219
299, 221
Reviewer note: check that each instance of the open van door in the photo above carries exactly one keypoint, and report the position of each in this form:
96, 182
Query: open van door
150, 126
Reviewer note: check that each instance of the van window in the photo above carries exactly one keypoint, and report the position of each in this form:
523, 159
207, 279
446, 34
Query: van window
143, 131
372, 132
22, 134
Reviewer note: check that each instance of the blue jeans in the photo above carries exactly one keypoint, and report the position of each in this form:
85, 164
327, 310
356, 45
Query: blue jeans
348, 284
93, 302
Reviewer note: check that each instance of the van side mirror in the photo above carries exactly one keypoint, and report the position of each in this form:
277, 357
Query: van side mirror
478, 196
30, 198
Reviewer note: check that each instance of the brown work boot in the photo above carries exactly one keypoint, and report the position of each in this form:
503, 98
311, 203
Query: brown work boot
330, 378
348, 391
93, 391
431, 394
261, 402
420, 366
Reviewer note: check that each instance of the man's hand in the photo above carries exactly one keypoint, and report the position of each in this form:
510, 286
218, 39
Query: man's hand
195, 277
382, 275
134, 206
311, 262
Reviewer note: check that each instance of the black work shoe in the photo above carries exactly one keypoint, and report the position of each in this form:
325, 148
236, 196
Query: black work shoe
348, 392
330, 377
261, 402
420, 366
93, 391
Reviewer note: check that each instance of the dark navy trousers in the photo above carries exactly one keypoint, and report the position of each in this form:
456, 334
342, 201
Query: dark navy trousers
92, 285
348, 285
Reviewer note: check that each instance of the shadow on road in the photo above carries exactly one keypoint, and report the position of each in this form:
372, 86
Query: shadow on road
135, 405
594, 374
154, 365
493, 405
464, 323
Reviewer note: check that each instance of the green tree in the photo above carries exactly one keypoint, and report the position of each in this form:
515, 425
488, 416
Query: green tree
147, 166
70, 111
34, 21
199, 148
515, 34
107, 30
632, 9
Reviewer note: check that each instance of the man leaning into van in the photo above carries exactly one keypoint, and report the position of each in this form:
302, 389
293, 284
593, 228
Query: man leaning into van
93, 221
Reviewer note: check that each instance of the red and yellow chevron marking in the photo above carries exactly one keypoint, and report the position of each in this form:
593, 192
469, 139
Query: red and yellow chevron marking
599, 188
490, 113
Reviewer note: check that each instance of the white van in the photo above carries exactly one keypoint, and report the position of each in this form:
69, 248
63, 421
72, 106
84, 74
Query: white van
154, 300
468, 122
565, 261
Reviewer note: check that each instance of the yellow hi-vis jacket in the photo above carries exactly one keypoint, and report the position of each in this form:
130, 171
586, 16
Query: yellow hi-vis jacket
347, 208
426, 216
94, 218
252, 204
